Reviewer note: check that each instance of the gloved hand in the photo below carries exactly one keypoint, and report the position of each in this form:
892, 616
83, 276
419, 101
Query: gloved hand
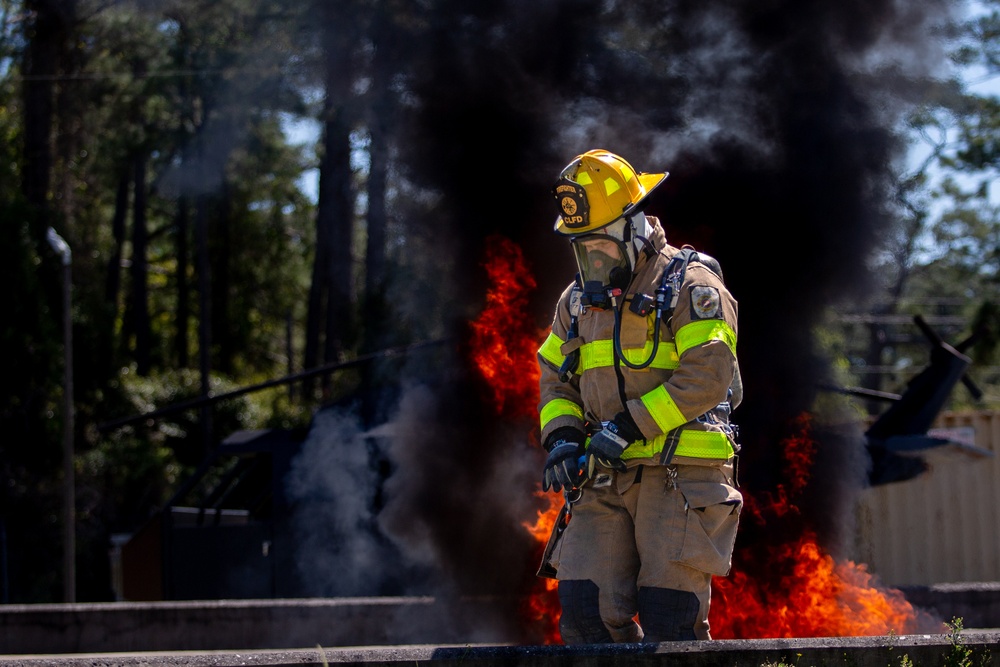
607, 445
562, 467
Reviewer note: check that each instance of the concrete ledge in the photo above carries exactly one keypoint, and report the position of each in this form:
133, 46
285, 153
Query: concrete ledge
245, 627
918, 650
209, 625
976, 603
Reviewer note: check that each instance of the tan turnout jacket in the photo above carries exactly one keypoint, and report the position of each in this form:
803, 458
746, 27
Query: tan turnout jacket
693, 370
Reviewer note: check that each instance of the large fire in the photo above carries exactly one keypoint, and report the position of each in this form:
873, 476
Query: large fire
791, 587
786, 588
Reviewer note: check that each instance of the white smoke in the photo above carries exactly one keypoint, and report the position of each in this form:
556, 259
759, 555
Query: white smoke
332, 486
443, 521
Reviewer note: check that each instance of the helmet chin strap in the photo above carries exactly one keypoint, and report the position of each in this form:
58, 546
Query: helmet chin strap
638, 229
629, 238
632, 229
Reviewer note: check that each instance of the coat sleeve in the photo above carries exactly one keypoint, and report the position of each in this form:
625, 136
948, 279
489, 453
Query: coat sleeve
560, 403
704, 328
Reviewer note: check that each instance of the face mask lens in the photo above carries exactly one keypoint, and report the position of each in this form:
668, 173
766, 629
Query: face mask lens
598, 255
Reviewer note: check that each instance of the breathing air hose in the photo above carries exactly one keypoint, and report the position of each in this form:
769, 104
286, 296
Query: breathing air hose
618, 340
666, 299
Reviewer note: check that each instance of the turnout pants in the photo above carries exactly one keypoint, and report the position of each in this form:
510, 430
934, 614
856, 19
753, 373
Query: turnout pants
646, 542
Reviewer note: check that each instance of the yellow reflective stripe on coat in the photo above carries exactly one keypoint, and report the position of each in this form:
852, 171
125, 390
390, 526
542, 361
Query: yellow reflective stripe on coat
601, 354
663, 410
695, 444
695, 333
559, 407
549, 350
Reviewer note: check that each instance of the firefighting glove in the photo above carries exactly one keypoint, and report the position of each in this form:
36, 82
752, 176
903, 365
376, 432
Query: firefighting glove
562, 467
607, 445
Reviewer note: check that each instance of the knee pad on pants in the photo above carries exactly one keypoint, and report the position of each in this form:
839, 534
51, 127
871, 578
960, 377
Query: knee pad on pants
667, 614
580, 622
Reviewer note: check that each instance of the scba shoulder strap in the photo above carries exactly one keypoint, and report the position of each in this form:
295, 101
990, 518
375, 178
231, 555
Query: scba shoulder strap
673, 278
707, 260
688, 254
669, 290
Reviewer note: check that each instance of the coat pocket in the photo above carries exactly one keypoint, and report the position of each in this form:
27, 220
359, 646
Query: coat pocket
635, 331
711, 521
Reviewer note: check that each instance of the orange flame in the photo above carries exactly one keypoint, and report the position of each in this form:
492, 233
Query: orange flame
817, 597
798, 589
543, 605
503, 339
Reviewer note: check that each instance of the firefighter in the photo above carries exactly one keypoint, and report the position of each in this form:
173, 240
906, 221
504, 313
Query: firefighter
638, 377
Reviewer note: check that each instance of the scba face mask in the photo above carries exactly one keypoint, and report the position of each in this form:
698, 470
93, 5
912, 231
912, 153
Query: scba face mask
604, 267
607, 258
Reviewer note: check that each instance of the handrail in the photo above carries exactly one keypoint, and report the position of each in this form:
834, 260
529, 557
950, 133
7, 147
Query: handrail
287, 379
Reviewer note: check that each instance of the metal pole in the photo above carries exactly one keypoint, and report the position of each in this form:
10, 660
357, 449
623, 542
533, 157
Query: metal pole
69, 476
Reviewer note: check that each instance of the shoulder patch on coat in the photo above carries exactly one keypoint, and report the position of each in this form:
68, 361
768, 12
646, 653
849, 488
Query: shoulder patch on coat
704, 302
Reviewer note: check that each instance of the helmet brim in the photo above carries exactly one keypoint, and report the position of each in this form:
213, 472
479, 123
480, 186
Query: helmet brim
649, 182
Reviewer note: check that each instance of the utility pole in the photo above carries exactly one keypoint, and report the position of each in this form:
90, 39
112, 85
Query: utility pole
69, 481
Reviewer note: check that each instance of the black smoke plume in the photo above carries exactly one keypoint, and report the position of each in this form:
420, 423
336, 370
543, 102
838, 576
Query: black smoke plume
778, 124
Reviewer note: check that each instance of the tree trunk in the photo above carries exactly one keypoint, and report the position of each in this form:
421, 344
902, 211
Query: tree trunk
46, 35
331, 293
113, 278
141, 326
380, 122
375, 320
182, 229
204, 315
317, 300
339, 207
222, 334
375, 277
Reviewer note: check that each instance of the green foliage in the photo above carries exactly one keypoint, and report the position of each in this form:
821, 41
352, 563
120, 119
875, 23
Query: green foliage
961, 655
167, 88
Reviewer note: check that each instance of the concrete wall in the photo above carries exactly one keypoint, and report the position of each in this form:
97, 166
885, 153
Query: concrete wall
917, 650
237, 624
233, 625
943, 526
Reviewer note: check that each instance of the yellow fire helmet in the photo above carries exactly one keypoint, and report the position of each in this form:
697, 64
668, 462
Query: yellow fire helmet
597, 188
